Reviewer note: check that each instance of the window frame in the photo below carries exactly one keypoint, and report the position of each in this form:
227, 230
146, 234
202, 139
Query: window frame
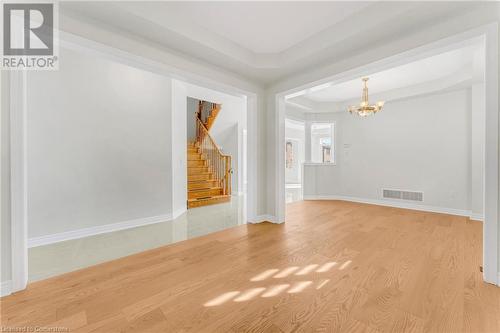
333, 146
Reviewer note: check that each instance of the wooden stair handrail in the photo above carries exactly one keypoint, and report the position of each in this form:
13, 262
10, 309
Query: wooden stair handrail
206, 132
219, 163
207, 115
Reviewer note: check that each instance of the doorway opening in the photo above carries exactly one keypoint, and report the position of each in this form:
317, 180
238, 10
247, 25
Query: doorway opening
371, 159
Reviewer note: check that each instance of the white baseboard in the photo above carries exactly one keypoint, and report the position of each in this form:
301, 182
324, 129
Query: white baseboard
178, 213
263, 218
5, 288
476, 217
102, 229
398, 204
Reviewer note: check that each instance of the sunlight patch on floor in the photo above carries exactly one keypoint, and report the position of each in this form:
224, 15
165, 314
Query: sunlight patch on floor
326, 267
299, 286
306, 270
287, 271
222, 298
322, 283
264, 275
249, 294
275, 290
344, 265
293, 287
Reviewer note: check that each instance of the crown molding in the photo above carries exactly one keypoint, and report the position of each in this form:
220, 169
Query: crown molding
267, 68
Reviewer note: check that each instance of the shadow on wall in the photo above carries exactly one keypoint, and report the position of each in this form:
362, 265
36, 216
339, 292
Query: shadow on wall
192, 108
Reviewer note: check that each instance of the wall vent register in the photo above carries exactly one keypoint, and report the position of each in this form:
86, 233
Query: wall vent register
403, 195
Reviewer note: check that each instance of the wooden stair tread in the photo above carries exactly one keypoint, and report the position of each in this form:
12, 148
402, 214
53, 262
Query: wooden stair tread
205, 193
206, 177
208, 198
200, 187
201, 180
205, 188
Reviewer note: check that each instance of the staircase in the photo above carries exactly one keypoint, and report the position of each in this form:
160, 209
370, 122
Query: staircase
208, 170
207, 113
211, 118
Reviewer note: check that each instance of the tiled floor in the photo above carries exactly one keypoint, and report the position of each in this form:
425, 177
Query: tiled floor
293, 192
54, 259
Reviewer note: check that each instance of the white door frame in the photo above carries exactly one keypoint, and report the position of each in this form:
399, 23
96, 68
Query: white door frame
489, 35
18, 146
18, 181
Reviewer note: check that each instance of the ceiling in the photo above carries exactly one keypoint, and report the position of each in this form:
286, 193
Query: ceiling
263, 41
414, 73
456, 67
259, 27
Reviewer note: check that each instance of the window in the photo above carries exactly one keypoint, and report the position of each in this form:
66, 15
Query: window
289, 155
322, 143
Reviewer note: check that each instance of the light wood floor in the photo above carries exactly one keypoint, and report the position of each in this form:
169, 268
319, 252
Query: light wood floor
334, 267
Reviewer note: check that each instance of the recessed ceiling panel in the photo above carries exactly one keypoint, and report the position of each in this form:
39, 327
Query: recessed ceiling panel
261, 27
421, 71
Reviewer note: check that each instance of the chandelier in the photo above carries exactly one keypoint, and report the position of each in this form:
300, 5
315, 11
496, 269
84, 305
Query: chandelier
364, 108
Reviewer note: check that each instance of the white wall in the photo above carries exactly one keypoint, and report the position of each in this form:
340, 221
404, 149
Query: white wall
418, 144
5, 229
99, 146
192, 108
294, 113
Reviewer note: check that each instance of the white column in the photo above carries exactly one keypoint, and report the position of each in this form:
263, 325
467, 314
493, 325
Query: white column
179, 148
307, 140
477, 149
